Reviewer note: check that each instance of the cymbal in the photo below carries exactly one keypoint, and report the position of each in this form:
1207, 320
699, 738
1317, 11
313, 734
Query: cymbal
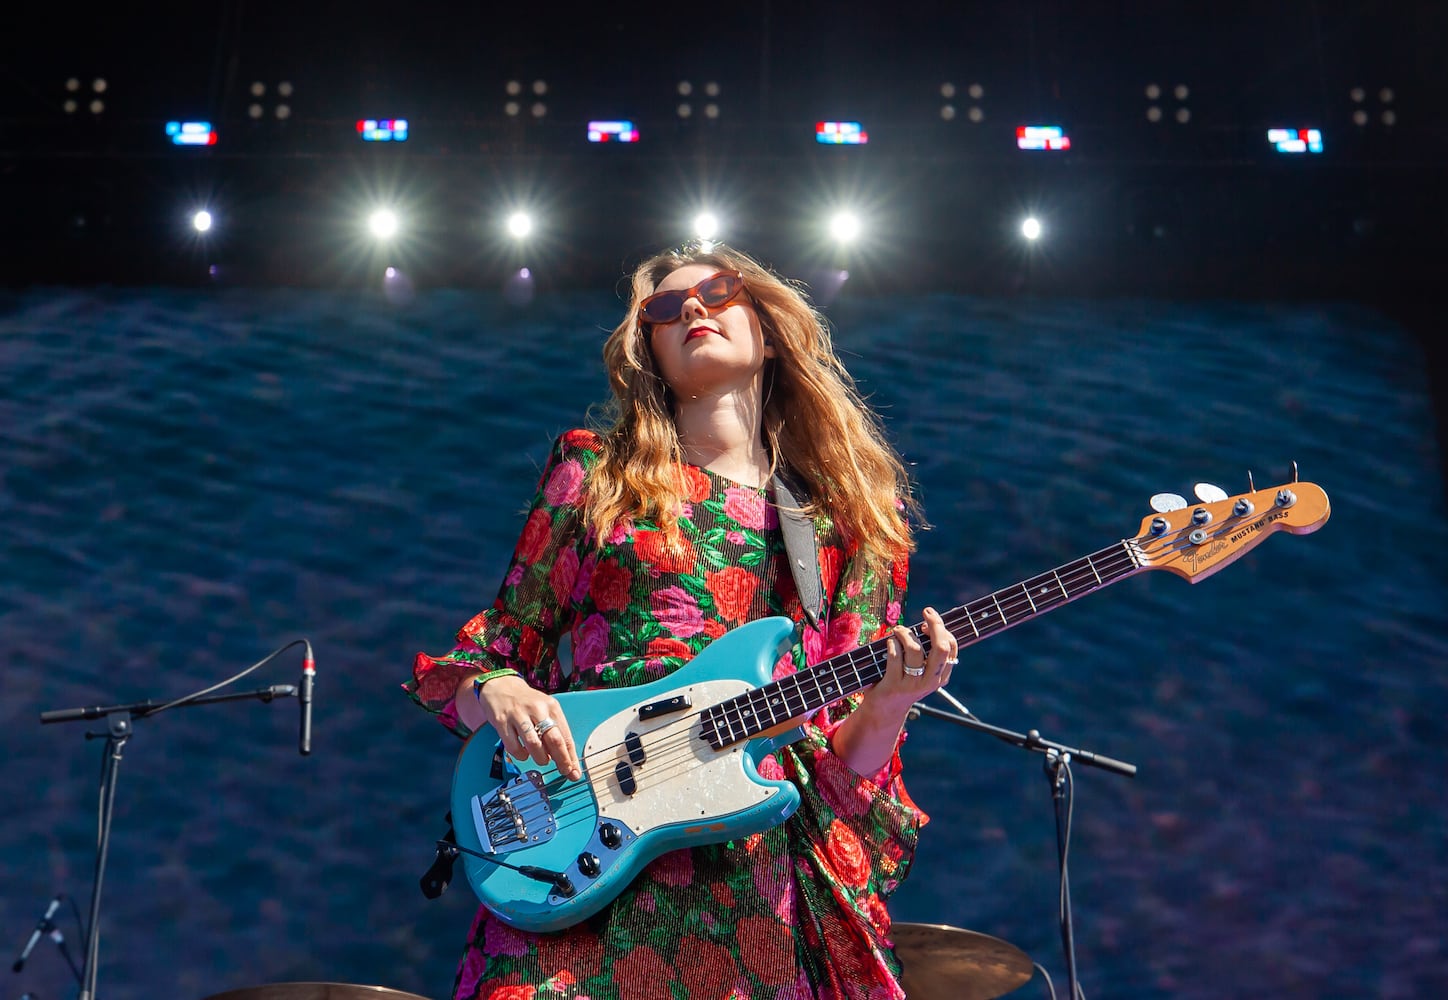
948, 963
314, 991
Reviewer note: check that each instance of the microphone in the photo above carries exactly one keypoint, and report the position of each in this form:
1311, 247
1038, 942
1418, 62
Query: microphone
43, 927
309, 672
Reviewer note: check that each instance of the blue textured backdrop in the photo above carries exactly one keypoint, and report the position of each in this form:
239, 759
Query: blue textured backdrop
189, 479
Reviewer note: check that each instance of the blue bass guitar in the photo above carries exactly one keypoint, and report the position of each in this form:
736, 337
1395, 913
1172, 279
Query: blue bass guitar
674, 763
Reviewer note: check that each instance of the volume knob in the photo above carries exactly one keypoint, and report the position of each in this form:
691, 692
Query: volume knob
611, 836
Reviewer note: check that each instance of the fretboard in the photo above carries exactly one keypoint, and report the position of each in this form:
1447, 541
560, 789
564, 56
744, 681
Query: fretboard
803, 693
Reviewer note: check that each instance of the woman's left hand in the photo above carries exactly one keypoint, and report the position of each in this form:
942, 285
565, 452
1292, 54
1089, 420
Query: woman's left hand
911, 673
867, 738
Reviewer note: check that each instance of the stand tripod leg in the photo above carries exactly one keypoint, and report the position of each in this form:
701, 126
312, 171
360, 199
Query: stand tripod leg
120, 732
1058, 772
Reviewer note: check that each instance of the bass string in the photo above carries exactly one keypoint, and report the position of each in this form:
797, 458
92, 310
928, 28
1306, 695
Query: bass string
673, 750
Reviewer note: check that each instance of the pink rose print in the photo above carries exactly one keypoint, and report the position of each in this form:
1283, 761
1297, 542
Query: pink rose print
677, 611
842, 634
590, 641
500, 939
621, 531
746, 507
584, 578
565, 485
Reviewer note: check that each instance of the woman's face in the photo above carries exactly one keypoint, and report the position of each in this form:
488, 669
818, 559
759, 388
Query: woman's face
704, 351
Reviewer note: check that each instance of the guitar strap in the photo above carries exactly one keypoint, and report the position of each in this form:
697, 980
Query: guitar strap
800, 546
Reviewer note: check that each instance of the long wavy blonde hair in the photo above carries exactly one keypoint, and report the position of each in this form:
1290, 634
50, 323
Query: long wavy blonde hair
814, 422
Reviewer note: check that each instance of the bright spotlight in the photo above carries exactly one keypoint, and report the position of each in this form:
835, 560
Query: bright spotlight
383, 223
1031, 228
706, 225
520, 224
201, 221
845, 227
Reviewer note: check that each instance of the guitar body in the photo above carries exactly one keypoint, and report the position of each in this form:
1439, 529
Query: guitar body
651, 783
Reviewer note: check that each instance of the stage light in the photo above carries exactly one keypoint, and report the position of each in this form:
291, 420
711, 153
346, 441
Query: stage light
614, 131
520, 224
845, 227
380, 129
383, 223
191, 133
1031, 229
706, 226
1295, 140
841, 134
201, 221
825, 286
518, 289
397, 287
1042, 137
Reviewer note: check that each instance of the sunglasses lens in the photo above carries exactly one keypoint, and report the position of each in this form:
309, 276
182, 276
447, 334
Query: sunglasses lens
664, 308
718, 290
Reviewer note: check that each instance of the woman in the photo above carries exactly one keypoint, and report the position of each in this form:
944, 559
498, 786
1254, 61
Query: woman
645, 542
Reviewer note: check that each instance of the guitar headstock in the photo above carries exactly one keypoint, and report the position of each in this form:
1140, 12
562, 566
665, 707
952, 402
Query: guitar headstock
1197, 540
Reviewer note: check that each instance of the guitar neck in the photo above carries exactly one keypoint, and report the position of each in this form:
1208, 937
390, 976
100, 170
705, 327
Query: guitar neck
808, 691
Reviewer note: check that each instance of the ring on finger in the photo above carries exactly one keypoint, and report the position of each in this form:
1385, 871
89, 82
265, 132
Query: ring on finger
543, 725
952, 661
914, 671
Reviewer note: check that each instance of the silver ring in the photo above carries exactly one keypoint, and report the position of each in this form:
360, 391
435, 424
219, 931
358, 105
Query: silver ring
543, 725
952, 661
914, 671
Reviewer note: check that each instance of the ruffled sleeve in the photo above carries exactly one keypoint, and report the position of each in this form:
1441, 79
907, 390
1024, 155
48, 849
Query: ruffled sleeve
532, 611
856, 834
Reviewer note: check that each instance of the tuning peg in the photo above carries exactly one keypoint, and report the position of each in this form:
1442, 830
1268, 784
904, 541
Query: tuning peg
1251, 486
1294, 472
1164, 502
1207, 493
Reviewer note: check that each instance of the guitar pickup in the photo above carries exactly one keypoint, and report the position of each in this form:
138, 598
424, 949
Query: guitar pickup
635, 747
654, 709
623, 774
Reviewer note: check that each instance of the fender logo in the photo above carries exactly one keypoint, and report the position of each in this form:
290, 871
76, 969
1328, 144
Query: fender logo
1257, 525
1205, 555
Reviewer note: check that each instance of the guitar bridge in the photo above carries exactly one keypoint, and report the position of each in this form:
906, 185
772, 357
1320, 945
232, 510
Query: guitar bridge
514, 816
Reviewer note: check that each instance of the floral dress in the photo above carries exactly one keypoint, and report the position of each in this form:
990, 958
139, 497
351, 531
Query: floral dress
794, 913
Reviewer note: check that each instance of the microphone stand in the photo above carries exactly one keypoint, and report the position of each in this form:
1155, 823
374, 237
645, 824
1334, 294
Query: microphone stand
1057, 767
119, 730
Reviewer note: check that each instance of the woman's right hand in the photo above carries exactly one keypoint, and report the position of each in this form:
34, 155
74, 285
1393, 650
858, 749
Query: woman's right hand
514, 709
